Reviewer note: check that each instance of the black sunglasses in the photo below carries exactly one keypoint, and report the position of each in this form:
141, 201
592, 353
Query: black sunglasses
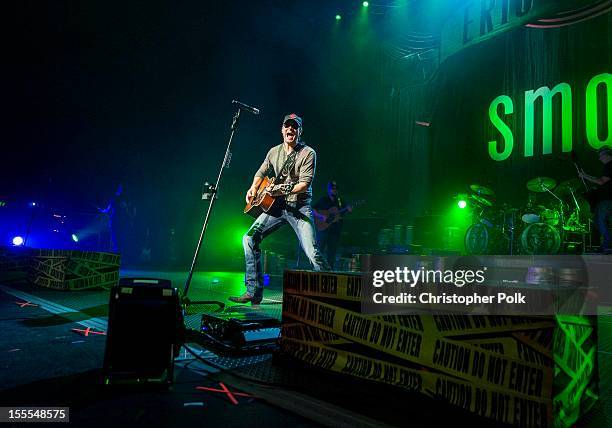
289, 124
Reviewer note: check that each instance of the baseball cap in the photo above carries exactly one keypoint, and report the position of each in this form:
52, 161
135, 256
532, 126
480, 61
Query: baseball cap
294, 117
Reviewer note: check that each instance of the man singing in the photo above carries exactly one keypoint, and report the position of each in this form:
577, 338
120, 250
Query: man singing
603, 209
293, 165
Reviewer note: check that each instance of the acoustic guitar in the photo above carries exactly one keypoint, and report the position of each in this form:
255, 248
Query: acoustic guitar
333, 215
263, 201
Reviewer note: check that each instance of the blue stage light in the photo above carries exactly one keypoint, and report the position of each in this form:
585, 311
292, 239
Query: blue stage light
17, 241
32, 204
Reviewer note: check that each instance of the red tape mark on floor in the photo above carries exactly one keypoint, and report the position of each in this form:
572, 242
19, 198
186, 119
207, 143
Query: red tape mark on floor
225, 390
88, 331
24, 304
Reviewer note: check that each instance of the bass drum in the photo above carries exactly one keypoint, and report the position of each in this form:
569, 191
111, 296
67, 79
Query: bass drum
481, 239
540, 238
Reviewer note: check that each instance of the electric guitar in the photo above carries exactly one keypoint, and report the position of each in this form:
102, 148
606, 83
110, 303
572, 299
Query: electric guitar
333, 215
263, 201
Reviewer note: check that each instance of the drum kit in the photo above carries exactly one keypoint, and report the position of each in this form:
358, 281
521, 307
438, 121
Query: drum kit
555, 219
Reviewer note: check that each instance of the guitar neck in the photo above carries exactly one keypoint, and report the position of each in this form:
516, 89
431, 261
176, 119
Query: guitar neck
351, 205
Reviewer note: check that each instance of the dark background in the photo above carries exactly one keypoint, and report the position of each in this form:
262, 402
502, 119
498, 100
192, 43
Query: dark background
139, 93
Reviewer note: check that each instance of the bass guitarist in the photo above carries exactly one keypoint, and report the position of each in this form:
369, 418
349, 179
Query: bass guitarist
325, 208
602, 197
293, 164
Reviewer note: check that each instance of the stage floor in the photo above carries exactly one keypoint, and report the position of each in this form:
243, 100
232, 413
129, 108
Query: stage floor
46, 360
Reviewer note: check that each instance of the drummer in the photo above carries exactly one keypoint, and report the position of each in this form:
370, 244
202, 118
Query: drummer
603, 209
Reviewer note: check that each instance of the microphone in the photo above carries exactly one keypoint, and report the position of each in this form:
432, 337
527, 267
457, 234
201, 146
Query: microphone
245, 107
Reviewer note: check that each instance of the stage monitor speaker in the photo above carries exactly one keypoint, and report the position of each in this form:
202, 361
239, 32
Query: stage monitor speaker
145, 332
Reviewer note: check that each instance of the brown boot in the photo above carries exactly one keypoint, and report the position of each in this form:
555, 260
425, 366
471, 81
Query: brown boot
246, 298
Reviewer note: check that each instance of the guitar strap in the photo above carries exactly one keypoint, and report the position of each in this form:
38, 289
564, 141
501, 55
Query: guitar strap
287, 165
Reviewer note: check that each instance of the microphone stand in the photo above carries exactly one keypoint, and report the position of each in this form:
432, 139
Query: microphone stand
586, 188
213, 191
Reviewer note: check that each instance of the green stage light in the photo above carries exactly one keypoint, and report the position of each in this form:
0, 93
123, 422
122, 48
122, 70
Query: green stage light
461, 199
365, 4
75, 238
338, 17
456, 220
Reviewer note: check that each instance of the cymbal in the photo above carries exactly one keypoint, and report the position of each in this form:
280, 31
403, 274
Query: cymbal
481, 200
541, 184
569, 186
481, 190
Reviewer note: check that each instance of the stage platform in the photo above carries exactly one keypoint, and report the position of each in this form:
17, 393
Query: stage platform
51, 355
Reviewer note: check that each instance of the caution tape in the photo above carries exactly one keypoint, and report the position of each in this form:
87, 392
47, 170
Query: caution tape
323, 284
80, 269
49, 283
104, 268
100, 280
55, 262
86, 256
97, 257
105, 279
73, 270
504, 406
501, 345
453, 357
466, 325
53, 268
513, 348
540, 340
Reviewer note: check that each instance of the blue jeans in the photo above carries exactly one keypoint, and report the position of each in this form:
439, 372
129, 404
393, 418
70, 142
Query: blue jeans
328, 242
300, 219
604, 211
